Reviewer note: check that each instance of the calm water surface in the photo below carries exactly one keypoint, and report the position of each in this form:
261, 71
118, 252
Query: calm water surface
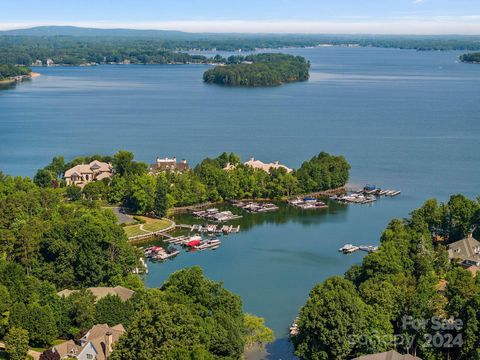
404, 119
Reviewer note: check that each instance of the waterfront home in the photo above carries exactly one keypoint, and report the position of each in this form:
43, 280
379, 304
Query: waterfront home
100, 292
96, 344
390, 355
168, 164
466, 251
82, 174
257, 164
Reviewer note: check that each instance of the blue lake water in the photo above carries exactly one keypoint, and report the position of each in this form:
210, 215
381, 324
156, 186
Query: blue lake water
404, 119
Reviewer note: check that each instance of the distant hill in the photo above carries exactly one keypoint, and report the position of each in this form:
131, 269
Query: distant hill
80, 31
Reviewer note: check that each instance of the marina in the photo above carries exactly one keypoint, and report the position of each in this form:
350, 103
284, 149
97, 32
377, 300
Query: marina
255, 207
213, 214
189, 243
369, 194
307, 203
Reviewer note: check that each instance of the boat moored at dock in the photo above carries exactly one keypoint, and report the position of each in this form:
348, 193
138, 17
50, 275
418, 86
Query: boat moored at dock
214, 214
307, 203
212, 244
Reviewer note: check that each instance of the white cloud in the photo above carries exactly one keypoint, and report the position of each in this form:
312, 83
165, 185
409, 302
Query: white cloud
418, 1
468, 25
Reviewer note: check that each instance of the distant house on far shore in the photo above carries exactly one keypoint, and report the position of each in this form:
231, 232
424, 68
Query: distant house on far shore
467, 251
82, 174
390, 355
101, 292
168, 164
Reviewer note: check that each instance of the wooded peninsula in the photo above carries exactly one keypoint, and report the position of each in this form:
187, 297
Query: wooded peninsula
9, 71
259, 70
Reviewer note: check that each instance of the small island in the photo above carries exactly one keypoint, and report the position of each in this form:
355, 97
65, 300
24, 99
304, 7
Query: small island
259, 70
471, 58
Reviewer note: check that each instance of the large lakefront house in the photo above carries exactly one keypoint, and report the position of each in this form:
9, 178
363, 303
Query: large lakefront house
168, 164
466, 251
96, 344
82, 174
100, 292
257, 164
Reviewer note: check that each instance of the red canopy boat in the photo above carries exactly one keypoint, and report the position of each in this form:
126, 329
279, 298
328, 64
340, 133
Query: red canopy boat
193, 243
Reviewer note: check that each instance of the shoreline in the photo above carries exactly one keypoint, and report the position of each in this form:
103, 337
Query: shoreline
187, 208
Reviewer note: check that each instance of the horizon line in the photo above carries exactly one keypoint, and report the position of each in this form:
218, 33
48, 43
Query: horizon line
442, 26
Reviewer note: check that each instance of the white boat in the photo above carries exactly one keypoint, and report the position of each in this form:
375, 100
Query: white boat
166, 255
295, 201
348, 248
209, 244
394, 193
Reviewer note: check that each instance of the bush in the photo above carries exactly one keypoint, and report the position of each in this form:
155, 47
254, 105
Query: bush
16, 344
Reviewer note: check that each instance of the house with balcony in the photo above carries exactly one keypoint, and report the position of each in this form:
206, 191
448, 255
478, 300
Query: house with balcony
168, 164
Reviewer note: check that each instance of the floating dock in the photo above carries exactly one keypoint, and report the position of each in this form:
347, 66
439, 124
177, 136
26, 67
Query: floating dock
214, 214
307, 203
215, 229
369, 194
350, 249
255, 207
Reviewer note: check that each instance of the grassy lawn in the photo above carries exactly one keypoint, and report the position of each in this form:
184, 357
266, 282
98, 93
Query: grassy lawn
150, 225
156, 225
133, 230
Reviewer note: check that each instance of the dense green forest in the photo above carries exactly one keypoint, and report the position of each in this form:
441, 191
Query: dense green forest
143, 193
259, 70
153, 47
371, 308
471, 58
7, 71
77, 51
48, 243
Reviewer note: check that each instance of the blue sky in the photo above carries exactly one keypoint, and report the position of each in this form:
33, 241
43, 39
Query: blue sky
314, 16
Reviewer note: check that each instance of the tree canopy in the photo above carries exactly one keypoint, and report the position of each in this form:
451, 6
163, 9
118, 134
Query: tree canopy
259, 70
189, 317
9, 70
